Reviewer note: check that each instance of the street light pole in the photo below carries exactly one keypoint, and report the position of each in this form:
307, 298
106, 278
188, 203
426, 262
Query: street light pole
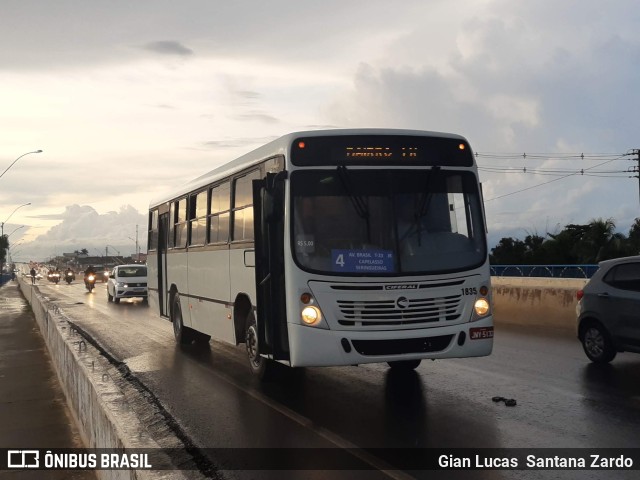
5, 171
14, 230
137, 245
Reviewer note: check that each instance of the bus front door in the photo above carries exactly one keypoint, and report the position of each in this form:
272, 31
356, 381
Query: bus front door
163, 237
268, 203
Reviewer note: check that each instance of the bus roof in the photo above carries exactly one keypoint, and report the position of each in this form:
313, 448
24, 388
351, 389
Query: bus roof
280, 146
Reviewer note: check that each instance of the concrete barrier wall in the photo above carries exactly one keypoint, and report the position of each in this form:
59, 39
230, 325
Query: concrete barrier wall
100, 409
539, 302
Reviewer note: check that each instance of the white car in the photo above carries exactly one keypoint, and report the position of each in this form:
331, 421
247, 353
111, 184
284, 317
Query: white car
127, 281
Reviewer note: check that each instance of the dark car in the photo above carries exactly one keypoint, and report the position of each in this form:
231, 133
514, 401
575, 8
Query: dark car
609, 310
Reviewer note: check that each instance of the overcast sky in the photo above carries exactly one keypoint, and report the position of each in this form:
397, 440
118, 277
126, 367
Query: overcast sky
129, 99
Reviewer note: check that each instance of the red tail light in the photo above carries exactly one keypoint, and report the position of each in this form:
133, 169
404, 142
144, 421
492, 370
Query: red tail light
579, 294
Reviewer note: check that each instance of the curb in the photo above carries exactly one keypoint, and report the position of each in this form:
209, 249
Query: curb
102, 413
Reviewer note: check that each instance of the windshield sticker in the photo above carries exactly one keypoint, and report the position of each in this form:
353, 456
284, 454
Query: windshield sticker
363, 261
305, 244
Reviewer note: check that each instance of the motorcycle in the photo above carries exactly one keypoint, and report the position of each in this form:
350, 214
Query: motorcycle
55, 277
69, 277
90, 282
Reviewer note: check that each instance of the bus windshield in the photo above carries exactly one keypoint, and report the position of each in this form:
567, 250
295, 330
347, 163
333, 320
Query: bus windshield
386, 222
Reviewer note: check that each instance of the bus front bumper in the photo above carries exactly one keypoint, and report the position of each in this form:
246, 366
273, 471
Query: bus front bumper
314, 347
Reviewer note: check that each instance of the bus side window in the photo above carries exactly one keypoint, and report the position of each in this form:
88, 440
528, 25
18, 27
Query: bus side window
172, 227
243, 206
219, 213
198, 218
153, 230
181, 224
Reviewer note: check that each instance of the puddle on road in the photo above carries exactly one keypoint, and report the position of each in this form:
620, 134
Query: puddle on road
13, 305
147, 362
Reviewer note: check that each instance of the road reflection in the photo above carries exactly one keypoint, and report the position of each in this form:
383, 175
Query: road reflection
617, 380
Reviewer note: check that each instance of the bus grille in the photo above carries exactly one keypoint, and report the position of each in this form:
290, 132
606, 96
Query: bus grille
391, 313
400, 346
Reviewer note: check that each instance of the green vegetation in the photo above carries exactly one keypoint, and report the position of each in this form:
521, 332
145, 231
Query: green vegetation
575, 244
4, 244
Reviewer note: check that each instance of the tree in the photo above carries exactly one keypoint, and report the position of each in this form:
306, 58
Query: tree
4, 244
534, 253
509, 251
563, 248
575, 244
600, 241
633, 240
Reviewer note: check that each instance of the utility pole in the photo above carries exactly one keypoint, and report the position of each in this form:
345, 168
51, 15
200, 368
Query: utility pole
637, 170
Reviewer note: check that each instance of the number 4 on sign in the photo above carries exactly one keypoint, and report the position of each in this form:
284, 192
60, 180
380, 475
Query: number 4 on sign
340, 260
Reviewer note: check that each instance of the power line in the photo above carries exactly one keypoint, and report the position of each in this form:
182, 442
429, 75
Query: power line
579, 172
552, 156
547, 171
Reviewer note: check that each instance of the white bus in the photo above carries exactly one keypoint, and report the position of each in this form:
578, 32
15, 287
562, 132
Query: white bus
334, 247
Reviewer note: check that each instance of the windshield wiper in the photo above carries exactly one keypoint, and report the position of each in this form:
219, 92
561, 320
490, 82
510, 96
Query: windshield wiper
422, 208
359, 204
425, 200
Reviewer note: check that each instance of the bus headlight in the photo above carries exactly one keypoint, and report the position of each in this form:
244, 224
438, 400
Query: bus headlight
311, 315
481, 307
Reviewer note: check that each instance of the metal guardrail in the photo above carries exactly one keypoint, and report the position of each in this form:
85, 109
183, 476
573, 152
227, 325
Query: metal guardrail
545, 271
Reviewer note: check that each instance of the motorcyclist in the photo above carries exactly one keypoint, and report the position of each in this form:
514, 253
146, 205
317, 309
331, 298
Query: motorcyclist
68, 275
89, 284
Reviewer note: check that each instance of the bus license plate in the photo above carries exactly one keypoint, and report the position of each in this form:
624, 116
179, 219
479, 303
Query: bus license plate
480, 333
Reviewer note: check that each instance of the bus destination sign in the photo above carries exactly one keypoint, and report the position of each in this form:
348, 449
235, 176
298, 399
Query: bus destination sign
392, 150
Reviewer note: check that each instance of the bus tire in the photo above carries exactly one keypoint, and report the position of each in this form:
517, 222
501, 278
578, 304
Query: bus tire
183, 335
404, 365
261, 367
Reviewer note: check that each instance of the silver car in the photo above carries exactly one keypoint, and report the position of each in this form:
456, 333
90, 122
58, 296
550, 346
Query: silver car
127, 281
609, 310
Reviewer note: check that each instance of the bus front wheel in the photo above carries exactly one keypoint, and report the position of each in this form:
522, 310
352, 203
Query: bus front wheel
261, 367
404, 365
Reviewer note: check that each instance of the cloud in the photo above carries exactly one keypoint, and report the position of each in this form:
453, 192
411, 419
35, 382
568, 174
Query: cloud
118, 122
83, 227
237, 142
256, 116
168, 47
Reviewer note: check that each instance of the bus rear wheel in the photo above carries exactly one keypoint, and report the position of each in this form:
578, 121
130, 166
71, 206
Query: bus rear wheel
183, 335
404, 365
261, 367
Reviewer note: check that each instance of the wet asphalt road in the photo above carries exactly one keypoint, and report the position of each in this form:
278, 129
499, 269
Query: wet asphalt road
563, 401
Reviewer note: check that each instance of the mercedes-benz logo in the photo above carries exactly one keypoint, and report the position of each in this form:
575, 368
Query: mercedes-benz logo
402, 302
